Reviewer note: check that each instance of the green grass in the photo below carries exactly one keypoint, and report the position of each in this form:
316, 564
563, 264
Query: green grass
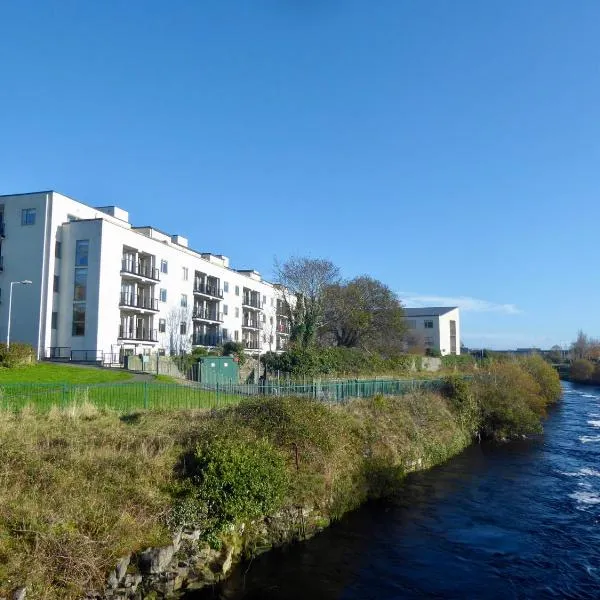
55, 373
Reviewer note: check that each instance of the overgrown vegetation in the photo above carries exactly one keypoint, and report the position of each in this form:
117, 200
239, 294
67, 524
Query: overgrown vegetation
80, 488
17, 354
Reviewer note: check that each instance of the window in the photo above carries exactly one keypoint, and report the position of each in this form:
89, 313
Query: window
183, 328
80, 287
81, 253
226, 286
28, 216
225, 335
164, 266
411, 324
237, 312
264, 299
225, 309
237, 290
186, 273
272, 299
57, 249
264, 318
54, 320
163, 295
236, 335
428, 324
184, 300
271, 320
56, 287
162, 325
78, 318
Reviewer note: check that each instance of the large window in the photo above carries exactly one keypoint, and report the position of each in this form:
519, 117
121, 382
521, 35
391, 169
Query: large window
28, 216
186, 273
78, 318
237, 290
164, 266
163, 295
428, 324
56, 287
162, 325
81, 253
226, 286
54, 322
80, 287
183, 328
57, 249
184, 300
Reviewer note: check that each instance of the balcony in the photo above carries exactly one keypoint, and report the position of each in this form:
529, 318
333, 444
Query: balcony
207, 339
250, 302
138, 301
139, 335
129, 267
251, 344
283, 328
207, 315
252, 324
212, 291
281, 310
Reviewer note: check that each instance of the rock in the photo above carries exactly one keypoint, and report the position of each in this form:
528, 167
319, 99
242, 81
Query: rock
155, 560
228, 559
19, 594
122, 565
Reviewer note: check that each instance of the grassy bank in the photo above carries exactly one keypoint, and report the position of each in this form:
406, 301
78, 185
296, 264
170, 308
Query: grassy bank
81, 487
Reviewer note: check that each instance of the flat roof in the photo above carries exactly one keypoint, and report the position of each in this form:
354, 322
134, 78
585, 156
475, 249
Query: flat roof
428, 311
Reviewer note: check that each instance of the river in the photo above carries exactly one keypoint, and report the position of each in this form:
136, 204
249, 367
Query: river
517, 520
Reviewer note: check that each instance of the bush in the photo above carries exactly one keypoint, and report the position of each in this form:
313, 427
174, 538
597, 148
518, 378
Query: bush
458, 361
235, 349
510, 401
545, 375
16, 355
581, 370
433, 352
238, 479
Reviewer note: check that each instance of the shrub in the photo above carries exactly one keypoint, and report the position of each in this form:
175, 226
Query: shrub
458, 361
545, 375
16, 355
238, 479
433, 352
581, 370
235, 349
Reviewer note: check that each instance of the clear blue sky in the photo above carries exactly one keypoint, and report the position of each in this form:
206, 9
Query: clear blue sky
450, 149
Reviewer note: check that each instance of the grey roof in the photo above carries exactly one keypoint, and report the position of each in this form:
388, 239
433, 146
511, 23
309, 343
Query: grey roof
428, 311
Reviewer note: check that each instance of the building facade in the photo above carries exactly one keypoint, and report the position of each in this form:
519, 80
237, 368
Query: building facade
101, 286
435, 327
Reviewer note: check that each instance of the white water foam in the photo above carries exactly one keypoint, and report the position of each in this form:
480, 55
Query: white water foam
588, 396
583, 472
586, 439
594, 423
586, 497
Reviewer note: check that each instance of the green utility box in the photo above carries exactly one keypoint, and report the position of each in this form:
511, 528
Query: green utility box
218, 369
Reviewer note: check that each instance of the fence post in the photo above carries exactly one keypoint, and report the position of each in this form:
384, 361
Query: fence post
145, 394
217, 393
64, 395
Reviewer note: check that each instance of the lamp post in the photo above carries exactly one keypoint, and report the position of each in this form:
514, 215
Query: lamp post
24, 282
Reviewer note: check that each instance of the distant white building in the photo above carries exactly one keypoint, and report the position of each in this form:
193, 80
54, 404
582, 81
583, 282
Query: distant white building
103, 286
436, 327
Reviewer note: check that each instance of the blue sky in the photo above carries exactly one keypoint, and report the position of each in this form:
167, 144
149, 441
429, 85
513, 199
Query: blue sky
450, 149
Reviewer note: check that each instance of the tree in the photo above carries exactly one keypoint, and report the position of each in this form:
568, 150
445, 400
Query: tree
555, 355
581, 370
365, 313
303, 282
585, 347
178, 330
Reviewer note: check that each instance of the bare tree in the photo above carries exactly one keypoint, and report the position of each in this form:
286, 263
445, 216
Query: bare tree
303, 282
178, 334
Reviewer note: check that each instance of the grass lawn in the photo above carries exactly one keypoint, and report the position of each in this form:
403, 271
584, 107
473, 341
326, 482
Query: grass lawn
57, 373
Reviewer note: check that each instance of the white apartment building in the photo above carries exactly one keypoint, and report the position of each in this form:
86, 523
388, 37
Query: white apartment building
436, 327
103, 286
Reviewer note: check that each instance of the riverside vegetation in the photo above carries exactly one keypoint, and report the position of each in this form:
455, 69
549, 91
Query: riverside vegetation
80, 488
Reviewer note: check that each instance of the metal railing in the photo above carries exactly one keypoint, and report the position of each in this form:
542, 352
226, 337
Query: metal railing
130, 266
138, 301
252, 324
207, 290
207, 339
207, 315
142, 335
250, 302
67, 354
129, 397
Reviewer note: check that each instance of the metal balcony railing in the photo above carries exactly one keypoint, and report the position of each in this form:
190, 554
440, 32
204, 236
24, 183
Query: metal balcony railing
207, 315
207, 339
252, 324
139, 334
139, 301
208, 290
251, 302
251, 344
142, 270
283, 328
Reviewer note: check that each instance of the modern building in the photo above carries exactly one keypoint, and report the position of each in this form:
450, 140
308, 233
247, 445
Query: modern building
435, 327
101, 286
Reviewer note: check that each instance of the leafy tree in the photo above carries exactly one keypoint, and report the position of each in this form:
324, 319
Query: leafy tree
303, 282
363, 312
581, 370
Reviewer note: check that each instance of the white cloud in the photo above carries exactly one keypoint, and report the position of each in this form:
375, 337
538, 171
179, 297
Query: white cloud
465, 303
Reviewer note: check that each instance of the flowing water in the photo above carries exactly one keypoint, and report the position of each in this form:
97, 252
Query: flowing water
517, 520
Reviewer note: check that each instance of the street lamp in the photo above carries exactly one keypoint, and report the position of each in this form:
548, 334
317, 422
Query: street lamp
24, 282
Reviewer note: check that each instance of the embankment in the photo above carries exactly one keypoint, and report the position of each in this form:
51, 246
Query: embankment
127, 506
